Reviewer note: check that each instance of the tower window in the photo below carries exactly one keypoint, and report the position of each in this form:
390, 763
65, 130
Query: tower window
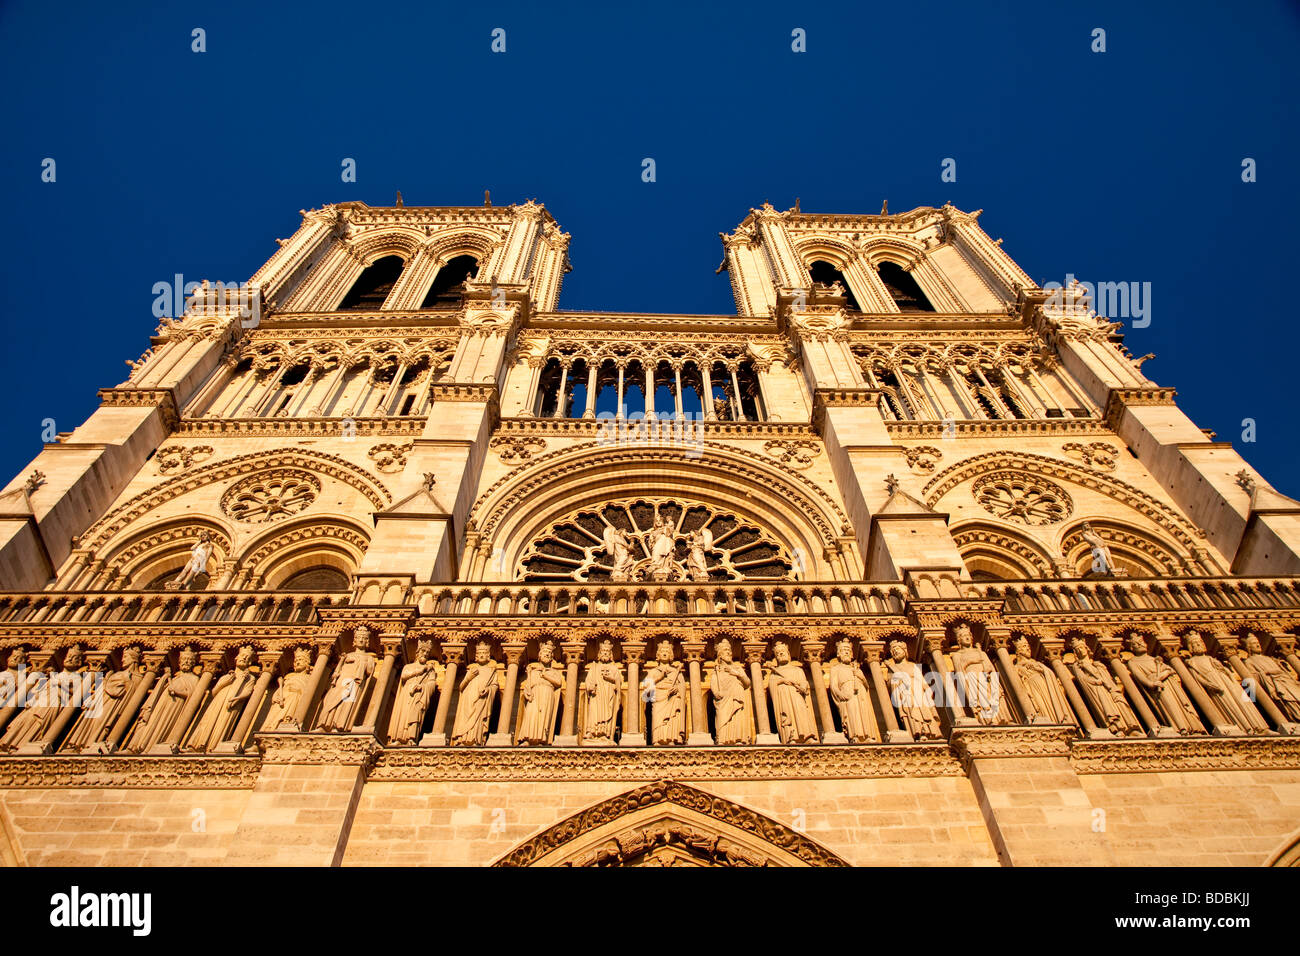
906, 293
449, 284
372, 287
823, 273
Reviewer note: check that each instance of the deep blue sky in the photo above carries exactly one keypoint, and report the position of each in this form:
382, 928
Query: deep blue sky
1122, 166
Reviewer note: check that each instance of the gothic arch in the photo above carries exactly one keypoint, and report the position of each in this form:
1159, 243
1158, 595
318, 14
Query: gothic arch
1137, 550
669, 823
137, 507
165, 546
332, 541
1288, 854
375, 244
1001, 552
523, 503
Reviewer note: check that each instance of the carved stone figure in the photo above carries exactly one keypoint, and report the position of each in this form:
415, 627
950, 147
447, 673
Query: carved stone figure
15, 679
697, 563
1275, 677
848, 687
1102, 562
619, 548
478, 689
791, 698
229, 695
1043, 693
602, 690
730, 688
338, 711
541, 694
415, 687
282, 714
1223, 687
165, 704
1104, 692
198, 563
668, 705
45, 700
106, 706
911, 695
662, 547
978, 680
1163, 690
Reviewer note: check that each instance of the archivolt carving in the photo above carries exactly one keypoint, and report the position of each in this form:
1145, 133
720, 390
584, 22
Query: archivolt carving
263, 555
972, 540
1121, 491
174, 537
641, 827
317, 462
1151, 555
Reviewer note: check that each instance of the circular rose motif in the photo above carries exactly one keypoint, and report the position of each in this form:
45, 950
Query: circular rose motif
270, 496
1019, 498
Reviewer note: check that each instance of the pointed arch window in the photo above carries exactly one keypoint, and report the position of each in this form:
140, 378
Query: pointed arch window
902, 287
823, 273
373, 285
449, 284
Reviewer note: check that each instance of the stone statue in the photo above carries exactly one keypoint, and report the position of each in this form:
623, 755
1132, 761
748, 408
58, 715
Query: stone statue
541, 692
668, 705
791, 698
1043, 694
165, 704
1102, 562
229, 695
848, 688
46, 700
978, 680
1103, 691
1275, 677
198, 563
478, 689
338, 711
911, 695
619, 549
15, 679
415, 687
1223, 687
697, 563
110, 699
602, 690
1162, 689
662, 547
730, 688
283, 712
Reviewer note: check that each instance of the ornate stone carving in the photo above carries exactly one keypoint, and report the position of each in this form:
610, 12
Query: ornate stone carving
516, 449
282, 714
791, 695
667, 692
200, 553
602, 693
978, 680
923, 458
911, 695
1103, 692
848, 689
353, 676
1164, 693
1278, 681
270, 496
478, 689
1025, 500
1097, 455
390, 457
796, 453
174, 459
226, 705
730, 688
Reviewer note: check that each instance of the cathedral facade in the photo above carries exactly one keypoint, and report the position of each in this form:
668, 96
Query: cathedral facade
384, 558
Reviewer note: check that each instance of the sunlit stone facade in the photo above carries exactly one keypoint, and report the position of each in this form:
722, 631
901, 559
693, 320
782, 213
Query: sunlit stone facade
396, 561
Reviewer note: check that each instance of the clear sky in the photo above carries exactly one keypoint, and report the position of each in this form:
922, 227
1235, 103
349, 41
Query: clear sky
1122, 166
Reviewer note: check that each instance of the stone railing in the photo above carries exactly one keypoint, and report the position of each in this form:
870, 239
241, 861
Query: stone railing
1142, 594
111, 607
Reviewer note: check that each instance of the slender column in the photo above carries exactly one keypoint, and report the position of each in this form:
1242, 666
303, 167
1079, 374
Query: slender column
383, 684
649, 391
268, 396
569, 722
894, 734
534, 392
1154, 727
1257, 692
305, 387
620, 413
425, 390
235, 745
934, 644
707, 398
999, 638
153, 663
1221, 726
560, 402
437, 735
738, 405
812, 655
330, 387
699, 717
1090, 728
677, 395
593, 371
192, 703
758, 684
385, 403
313, 684
505, 735
242, 396
633, 734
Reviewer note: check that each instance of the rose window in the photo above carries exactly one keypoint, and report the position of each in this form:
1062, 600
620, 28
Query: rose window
269, 497
654, 540
1024, 500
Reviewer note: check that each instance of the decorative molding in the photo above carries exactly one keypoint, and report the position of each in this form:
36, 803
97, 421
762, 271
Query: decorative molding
1196, 753
410, 426
796, 453
358, 750
975, 743
177, 458
153, 773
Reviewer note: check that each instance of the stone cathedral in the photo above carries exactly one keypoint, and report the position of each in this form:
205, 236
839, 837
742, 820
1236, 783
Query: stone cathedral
385, 558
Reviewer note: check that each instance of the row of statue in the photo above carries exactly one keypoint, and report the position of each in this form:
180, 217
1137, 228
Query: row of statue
133, 709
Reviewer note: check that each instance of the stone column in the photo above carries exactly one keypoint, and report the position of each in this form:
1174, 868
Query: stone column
699, 735
707, 398
1219, 725
383, 683
758, 684
437, 735
932, 642
505, 734
593, 370
568, 735
633, 707
894, 734
1052, 652
309, 695
153, 662
1154, 727
619, 413
1264, 702
176, 736
812, 655
649, 390
738, 407
559, 392
999, 638
235, 745
677, 395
